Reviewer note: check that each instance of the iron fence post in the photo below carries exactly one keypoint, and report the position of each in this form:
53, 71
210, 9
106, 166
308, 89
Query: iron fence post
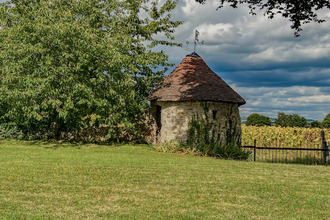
254, 150
325, 149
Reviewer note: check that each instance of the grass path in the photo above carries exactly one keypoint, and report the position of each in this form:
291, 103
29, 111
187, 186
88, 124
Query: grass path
49, 181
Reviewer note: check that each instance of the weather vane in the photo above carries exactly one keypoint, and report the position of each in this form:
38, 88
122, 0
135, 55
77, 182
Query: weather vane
196, 40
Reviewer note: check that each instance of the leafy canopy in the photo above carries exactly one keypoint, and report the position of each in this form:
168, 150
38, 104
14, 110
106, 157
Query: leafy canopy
316, 124
298, 12
284, 120
326, 121
68, 64
258, 120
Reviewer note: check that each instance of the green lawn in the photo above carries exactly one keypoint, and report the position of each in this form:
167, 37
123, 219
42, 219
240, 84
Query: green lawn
47, 181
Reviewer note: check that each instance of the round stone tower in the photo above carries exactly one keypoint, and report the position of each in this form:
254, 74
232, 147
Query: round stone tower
193, 90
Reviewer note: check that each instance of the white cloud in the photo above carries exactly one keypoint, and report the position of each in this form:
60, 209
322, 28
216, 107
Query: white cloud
217, 33
298, 53
311, 99
309, 102
227, 32
190, 7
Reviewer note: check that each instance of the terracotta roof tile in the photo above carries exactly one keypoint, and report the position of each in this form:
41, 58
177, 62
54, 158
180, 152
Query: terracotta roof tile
193, 80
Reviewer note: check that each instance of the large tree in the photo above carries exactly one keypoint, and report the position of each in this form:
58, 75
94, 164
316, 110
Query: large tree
284, 120
297, 11
74, 63
326, 121
258, 120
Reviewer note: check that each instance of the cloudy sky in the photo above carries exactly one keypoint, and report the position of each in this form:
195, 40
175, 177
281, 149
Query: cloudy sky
260, 58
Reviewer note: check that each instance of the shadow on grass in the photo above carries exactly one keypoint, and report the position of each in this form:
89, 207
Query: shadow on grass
56, 144
307, 160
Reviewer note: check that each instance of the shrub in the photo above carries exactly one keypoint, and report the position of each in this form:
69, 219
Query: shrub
229, 152
10, 131
316, 124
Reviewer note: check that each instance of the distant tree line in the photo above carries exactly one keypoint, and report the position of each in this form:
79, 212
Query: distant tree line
286, 120
294, 120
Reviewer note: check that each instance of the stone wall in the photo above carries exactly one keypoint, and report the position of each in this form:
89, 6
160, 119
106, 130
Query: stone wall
175, 117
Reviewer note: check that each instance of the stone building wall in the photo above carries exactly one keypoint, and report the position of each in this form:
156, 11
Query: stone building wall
175, 117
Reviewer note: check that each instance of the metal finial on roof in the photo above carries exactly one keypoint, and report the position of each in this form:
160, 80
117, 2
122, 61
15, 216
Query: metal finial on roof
196, 40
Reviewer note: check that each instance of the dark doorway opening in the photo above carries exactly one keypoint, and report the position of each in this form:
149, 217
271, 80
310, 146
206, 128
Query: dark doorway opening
214, 114
158, 118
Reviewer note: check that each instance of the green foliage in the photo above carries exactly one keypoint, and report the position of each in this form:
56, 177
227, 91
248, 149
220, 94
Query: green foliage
294, 120
258, 120
10, 131
63, 61
199, 133
200, 140
316, 124
172, 147
229, 151
326, 121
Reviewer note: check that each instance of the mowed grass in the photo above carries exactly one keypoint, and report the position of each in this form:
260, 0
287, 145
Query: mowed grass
50, 181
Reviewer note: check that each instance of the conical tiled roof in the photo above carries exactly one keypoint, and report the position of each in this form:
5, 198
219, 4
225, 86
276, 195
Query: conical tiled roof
193, 80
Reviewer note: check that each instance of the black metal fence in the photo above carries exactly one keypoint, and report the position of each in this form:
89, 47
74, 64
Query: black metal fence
318, 156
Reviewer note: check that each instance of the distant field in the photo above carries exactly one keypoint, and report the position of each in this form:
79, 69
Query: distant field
244, 119
47, 181
271, 136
